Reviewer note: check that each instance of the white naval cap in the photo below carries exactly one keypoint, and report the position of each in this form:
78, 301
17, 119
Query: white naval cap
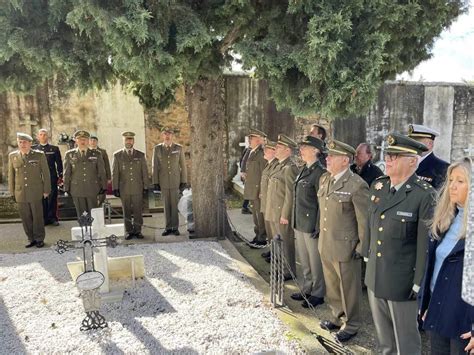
420, 131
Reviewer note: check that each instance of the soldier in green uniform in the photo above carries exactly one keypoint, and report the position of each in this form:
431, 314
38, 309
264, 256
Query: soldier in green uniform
279, 205
343, 201
130, 183
84, 174
272, 163
306, 222
169, 177
399, 208
29, 182
254, 167
93, 144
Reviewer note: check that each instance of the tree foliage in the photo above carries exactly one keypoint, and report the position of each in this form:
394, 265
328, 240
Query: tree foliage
324, 56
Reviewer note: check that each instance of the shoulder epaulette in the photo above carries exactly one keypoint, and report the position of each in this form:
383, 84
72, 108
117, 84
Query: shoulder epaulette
423, 184
382, 177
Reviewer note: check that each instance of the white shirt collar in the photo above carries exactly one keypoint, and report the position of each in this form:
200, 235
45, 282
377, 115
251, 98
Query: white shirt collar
339, 175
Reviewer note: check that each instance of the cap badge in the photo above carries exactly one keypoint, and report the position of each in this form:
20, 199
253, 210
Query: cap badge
390, 140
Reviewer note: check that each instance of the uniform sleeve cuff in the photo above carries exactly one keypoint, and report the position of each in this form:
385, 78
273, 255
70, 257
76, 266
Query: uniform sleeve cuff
416, 288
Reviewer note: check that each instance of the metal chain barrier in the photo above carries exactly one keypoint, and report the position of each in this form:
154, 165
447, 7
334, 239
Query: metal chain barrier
276, 272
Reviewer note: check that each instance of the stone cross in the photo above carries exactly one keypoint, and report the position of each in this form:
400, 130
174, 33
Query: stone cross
28, 122
90, 280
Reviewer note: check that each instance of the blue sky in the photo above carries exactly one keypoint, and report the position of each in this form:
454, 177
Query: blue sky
453, 54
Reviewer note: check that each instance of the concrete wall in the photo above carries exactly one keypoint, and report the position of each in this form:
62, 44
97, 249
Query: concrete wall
445, 107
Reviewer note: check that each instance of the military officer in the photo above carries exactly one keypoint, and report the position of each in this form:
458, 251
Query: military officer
169, 176
399, 209
272, 163
93, 141
254, 167
343, 201
55, 163
306, 222
279, 205
29, 183
84, 174
319, 131
430, 168
130, 183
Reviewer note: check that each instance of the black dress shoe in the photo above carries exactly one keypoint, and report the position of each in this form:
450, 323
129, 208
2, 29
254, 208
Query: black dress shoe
325, 324
55, 223
343, 336
287, 278
166, 232
298, 296
266, 254
40, 244
129, 236
269, 259
313, 301
31, 244
246, 211
176, 232
139, 236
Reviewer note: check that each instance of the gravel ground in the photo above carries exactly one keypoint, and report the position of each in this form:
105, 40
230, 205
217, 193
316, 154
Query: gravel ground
194, 300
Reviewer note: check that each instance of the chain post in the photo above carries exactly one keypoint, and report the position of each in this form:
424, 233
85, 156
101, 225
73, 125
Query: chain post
276, 272
108, 211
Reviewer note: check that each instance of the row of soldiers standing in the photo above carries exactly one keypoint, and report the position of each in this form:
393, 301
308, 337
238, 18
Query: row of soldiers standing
334, 220
36, 171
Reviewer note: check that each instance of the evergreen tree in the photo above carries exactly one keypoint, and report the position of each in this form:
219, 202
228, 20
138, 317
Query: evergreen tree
319, 56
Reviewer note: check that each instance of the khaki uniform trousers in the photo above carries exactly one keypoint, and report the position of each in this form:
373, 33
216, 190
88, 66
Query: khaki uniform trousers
343, 293
170, 203
258, 221
396, 325
132, 206
268, 230
31, 214
288, 238
311, 266
84, 204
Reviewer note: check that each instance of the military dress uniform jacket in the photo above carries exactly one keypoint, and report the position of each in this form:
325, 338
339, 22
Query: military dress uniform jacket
266, 174
55, 163
433, 170
280, 191
254, 167
169, 166
28, 177
84, 176
129, 173
398, 237
305, 206
105, 157
343, 216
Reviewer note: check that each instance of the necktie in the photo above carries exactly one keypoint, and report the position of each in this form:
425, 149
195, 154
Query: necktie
129, 153
393, 190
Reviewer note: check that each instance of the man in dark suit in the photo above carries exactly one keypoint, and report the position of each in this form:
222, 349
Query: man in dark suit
363, 165
55, 164
399, 208
306, 222
431, 168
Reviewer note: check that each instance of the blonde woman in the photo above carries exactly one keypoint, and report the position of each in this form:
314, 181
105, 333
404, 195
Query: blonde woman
445, 316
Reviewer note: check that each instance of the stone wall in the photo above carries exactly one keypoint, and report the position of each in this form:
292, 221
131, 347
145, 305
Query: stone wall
445, 107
